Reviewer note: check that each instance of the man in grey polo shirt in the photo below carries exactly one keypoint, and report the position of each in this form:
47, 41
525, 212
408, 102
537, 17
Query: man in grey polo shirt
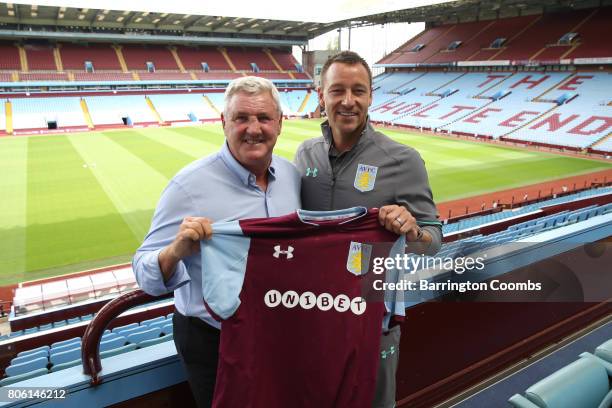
352, 164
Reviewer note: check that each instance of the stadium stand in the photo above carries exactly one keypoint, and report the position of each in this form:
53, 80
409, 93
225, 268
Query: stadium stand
183, 107
137, 57
193, 58
101, 56
40, 57
10, 56
44, 113
519, 79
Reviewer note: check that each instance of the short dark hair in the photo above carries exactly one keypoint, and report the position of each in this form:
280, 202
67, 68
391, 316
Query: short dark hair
346, 57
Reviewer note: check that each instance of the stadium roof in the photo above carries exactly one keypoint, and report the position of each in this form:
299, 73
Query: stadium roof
471, 10
253, 23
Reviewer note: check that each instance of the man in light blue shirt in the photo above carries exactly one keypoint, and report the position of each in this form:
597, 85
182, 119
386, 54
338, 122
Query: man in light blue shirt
242, 180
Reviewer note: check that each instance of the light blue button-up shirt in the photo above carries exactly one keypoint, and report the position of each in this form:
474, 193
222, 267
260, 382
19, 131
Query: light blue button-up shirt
219, 188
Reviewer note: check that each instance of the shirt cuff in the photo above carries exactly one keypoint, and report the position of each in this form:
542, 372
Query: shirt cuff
154, 282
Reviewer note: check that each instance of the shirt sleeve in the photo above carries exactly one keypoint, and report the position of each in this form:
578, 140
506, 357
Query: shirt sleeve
173, 206
298, 160
415, 194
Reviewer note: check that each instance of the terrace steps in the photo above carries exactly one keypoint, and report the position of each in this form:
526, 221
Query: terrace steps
8, 109
86, 114
554, 86
23, 58
121, 59
155, 112
227, 58
212, 105
304, 102
593, 145
572, 30
530, 121
57, 57
527, 27
177, 59
479, 95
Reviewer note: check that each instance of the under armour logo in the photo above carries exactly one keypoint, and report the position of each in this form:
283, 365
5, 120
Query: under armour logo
385, 353
311, 172
288, 252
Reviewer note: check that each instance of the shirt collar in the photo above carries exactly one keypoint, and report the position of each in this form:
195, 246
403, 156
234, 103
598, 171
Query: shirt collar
327, 135
245, 176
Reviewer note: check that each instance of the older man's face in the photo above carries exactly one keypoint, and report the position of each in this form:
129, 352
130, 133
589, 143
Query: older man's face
251, 125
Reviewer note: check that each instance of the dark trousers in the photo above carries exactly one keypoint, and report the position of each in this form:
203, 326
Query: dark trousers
197, 344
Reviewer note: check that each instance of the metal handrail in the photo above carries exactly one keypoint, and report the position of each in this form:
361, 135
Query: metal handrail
90, 349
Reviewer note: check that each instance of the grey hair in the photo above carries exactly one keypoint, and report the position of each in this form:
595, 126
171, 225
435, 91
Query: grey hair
251, 85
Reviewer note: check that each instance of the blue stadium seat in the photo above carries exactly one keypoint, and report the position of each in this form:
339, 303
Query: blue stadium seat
126, 327
74, 320
119, 350
137, 329
66, 356
22, 377
160, 324
604, 351
58, 367
27, 366
26, 352
167, 328
64, 347
112, 343
149, 321
31, 356
169, 316
110, 336
583, 383
145, 335
59, 323
74, 340
158, 340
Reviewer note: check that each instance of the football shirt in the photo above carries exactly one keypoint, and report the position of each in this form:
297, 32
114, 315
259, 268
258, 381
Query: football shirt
301, 323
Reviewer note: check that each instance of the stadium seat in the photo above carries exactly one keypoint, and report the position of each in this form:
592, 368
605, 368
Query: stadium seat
583, 383
31, 365
66, 356
167, 328
22, 377
604, 351
120, 329
159, 323
110, 336
58, 367
64, 347
149, 321
112, 343
118, 350
137, 329
145, 335
74, 340
29, 357
158, 340
26, 352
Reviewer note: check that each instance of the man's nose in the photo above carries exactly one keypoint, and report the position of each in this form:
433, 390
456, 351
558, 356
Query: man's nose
349, 99
254, 126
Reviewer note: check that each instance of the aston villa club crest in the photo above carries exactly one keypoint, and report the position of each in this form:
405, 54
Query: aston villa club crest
358, 258
365, 177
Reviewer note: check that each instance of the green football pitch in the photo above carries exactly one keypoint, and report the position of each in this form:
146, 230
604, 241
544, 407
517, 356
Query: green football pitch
79, 201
